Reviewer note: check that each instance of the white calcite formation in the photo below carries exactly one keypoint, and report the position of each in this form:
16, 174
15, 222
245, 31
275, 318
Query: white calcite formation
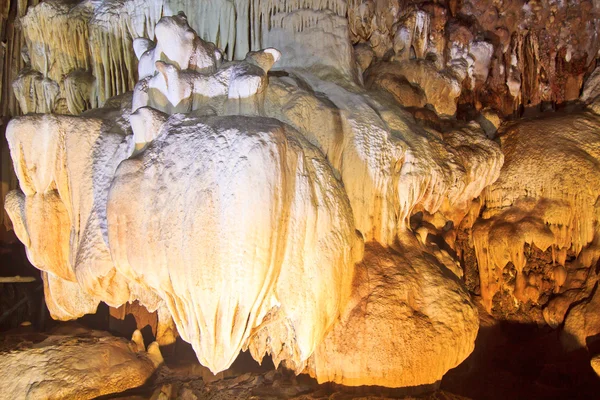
238, 202
391, 167
250, 229
439, 88
193, 77
101, 39
60, 212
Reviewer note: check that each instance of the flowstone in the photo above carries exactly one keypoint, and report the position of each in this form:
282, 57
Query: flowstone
238, 203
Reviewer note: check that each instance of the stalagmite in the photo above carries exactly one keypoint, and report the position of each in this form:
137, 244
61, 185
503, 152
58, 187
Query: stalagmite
397, 292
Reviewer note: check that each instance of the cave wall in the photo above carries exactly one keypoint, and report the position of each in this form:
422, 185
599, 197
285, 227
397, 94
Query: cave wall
515, 54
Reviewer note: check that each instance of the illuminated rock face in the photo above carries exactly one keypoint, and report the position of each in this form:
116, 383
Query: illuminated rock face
77, 366
60, 212
249, 222
555, 210
239, 203
397, 293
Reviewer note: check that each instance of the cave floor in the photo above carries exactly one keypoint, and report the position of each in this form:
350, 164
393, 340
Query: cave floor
510, 361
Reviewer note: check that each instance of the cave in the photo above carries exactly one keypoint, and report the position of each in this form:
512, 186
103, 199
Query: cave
317, 199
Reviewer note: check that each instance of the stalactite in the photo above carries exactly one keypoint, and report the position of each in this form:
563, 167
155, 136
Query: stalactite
68, 48
80, 91
278, 188
36, 93
104, 32
556, 209
11, 63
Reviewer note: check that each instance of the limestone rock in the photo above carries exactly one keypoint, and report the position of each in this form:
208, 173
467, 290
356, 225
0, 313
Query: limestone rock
441, 88
383, 157
66, 367
35, 93
535, 54
490, 121
192, 76
81, 272
264, 208
56, 34
102, 37
80, 91
591, 91
545, 197
236, 202
63, 196
595, 362
556, 310
404, 92
190, 53
293, 34
364, 56
411, 314
582, 324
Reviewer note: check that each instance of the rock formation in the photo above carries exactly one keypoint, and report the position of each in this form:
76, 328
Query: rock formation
555, 210
501, 54
396, 293
91, 365
333, 184
245, 215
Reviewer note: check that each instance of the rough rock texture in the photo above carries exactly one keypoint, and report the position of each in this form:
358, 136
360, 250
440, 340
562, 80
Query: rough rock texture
591, 91
440, 88
63, 197
266, 210
194, 76
546, 199
231, 186
582, 325
505, 54
391, 167
398, 292
91, 365
239, 202
500, 54
595, 362
105, 35
271, 385
461, 57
